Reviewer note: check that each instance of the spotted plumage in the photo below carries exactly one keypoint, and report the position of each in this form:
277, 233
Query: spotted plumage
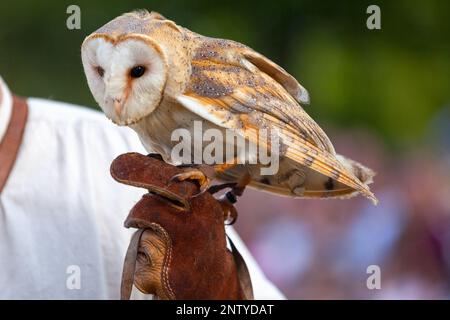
224, 84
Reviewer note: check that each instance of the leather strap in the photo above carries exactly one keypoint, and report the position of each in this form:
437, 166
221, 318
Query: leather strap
129, 266
242, 271
9, 146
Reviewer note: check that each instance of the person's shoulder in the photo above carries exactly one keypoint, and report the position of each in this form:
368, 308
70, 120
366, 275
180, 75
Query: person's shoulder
56, 111
62, 116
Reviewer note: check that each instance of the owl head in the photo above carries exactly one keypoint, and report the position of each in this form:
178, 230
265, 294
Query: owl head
126, 69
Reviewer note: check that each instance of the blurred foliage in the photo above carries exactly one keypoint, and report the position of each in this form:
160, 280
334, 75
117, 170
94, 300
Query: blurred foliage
391, 81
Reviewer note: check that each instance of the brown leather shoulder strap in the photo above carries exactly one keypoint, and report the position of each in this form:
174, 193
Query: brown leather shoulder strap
9, 146
242, 271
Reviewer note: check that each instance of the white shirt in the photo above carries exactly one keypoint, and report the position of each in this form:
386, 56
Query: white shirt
61, 213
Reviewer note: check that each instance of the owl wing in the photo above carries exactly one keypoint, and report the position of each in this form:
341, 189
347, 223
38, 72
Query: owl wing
236, 88
297, 91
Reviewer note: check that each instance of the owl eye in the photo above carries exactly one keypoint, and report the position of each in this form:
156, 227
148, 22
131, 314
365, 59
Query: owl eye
100, 71
137, 71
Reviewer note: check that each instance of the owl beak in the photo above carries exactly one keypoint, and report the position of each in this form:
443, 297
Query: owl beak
118, 106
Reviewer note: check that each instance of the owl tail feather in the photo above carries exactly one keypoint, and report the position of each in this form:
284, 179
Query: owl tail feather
363, 173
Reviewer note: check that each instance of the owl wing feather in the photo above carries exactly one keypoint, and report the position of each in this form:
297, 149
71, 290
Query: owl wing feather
219, 66
227, 87
280, 75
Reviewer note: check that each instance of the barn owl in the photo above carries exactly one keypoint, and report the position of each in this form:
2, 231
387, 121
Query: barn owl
150, 74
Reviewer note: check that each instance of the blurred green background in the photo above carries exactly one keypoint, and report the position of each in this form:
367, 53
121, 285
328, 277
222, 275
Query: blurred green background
392, 81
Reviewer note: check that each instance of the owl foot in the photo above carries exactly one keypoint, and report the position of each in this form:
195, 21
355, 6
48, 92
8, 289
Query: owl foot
196, 175
227, 202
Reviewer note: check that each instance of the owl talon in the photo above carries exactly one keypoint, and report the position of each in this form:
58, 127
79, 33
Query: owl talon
203, 189
195, 175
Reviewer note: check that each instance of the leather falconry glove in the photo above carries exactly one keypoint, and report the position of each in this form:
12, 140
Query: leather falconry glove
180, 249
